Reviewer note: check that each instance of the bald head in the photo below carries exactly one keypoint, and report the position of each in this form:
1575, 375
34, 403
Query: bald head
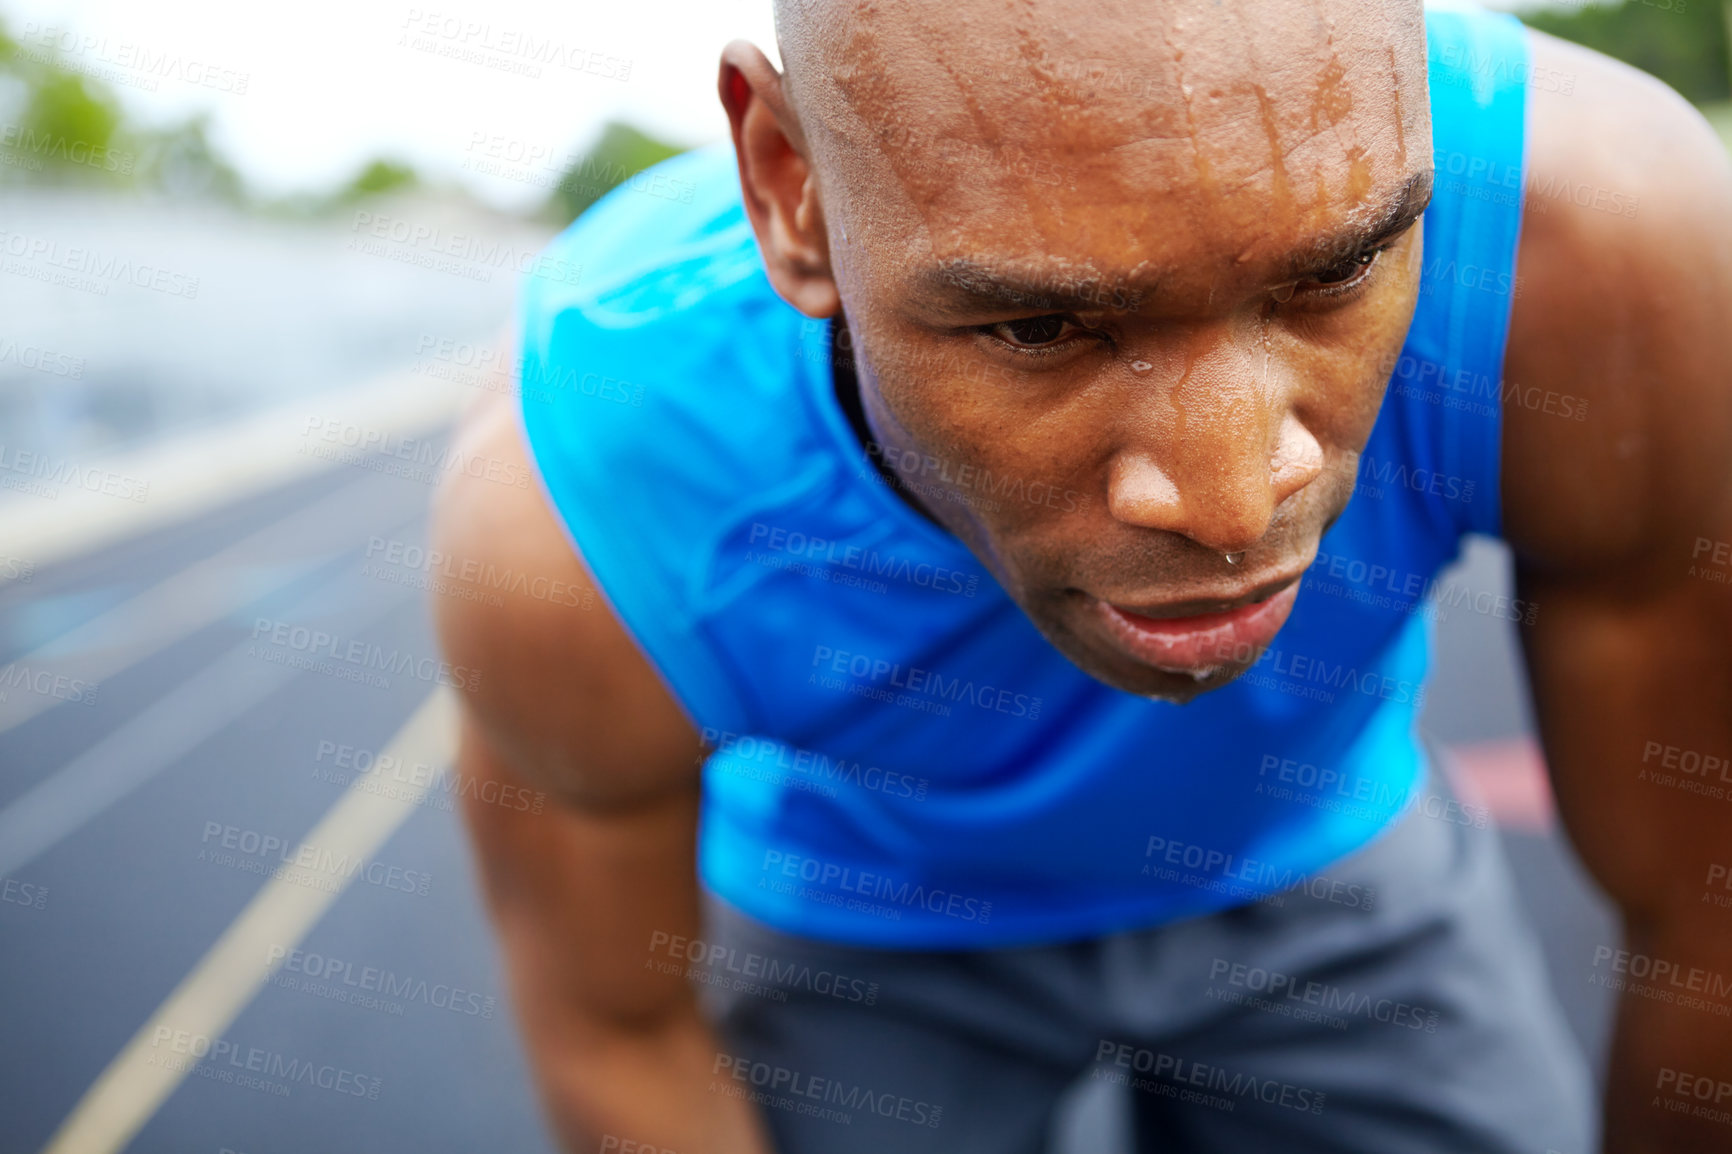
1261, 99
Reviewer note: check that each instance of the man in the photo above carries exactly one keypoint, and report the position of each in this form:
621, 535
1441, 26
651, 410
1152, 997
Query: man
1015, 474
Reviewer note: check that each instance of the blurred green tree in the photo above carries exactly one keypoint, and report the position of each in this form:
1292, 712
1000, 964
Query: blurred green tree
1683, 42
63, 106
380, 176
63, 126
621, 152
58, 125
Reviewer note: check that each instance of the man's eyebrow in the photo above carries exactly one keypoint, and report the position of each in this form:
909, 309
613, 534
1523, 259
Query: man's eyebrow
1371, 229
965, 284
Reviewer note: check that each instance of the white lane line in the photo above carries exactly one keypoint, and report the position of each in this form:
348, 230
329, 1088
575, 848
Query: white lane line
201, 471
143, 1075
185, 602
155, 738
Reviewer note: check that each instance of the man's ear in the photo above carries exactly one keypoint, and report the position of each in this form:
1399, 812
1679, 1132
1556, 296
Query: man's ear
781, 193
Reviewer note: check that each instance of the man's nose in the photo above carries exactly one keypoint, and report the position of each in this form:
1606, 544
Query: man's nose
1214, 457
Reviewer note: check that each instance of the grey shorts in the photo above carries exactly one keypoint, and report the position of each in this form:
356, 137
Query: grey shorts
1416, 1019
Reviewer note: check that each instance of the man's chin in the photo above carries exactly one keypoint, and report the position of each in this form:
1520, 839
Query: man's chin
1128, 675
1176, 687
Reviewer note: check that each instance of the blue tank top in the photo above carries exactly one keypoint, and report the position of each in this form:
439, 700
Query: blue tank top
901, 760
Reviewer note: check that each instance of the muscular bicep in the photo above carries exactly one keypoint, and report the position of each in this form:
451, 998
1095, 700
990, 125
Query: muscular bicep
579, 897
1611, 516
564, 696
1632, 690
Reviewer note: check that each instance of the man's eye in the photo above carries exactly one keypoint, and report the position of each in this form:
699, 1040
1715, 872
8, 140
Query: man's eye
1032, 332
1348, 271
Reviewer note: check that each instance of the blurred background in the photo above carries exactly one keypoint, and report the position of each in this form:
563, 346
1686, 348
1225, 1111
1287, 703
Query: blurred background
252, 263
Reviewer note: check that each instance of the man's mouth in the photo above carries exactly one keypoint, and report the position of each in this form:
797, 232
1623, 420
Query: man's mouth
1197, 643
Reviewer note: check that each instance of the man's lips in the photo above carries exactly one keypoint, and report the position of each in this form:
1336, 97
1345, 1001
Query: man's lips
1199, 643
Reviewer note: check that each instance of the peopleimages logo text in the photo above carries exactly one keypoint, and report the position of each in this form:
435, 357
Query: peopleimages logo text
735, 752
362, 655
387, 983
928, 682
924, 574
878, 887
913, 466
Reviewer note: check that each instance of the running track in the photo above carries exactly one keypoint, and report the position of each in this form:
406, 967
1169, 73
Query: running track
133, 907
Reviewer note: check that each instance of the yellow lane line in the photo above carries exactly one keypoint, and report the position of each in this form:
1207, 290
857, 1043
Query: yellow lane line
143, 1075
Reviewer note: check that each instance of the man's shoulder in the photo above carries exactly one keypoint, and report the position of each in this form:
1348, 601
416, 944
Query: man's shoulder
1626, 288
657, 241
564, 693
670, 323
1614, 155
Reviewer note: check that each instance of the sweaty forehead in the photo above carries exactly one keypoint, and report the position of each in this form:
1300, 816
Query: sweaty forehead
1103, 123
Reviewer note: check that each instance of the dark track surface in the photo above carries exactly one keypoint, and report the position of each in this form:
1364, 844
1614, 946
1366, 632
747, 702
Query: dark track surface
130, 908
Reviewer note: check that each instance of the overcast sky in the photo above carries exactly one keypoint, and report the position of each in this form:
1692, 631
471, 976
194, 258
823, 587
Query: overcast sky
300, 96
331, 83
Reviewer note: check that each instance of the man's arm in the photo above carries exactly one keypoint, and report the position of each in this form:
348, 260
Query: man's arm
568, 705
1626, 303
